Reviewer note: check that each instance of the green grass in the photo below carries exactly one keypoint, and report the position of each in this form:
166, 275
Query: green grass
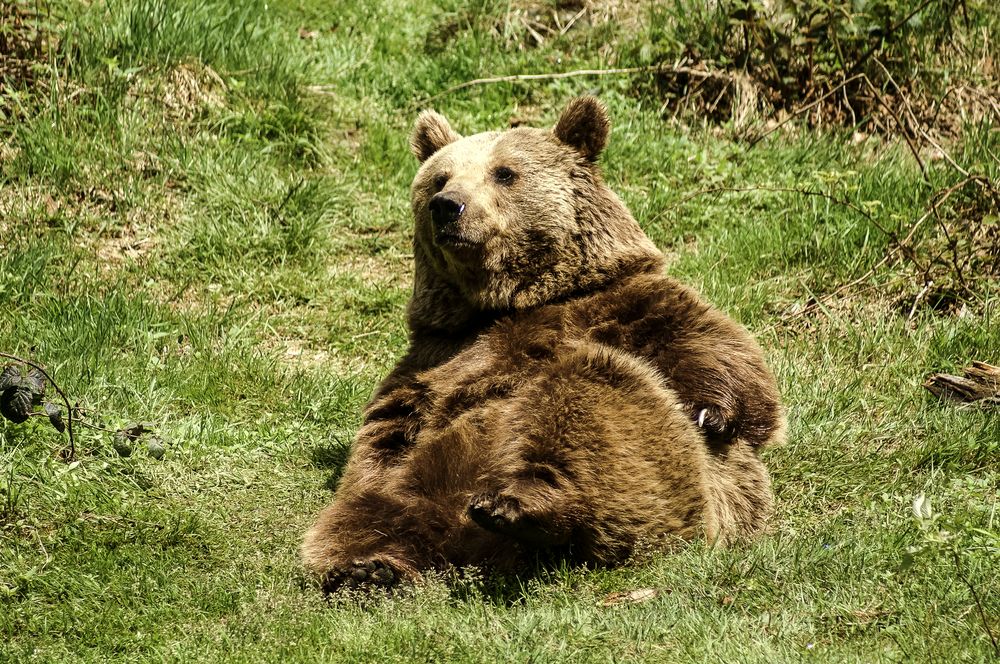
204, 223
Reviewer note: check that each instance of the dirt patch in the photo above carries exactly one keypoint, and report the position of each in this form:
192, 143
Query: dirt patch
106, 228
191, 88
186, 93
126, 244
380, 269
193, 298
23, 45
299, 353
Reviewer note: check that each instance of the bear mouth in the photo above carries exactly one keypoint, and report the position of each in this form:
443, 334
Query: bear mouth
452, 241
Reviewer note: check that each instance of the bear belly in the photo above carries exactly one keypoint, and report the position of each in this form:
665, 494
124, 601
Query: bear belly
580, 453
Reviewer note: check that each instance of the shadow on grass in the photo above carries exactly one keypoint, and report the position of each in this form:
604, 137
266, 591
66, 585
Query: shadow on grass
331, 456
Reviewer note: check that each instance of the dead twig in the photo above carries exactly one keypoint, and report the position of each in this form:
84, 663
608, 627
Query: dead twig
937, 201
881, 42
898, 245
903, 129
785, 190
980, 382
918, 298
819, 302
573, 20
647, 69
979, 603
799, 111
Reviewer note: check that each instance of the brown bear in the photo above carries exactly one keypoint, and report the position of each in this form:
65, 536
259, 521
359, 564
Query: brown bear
560, 396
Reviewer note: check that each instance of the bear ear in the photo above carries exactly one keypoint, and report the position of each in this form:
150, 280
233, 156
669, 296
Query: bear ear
431, 133
584, 125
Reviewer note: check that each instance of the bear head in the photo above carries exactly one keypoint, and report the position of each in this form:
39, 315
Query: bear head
509, 220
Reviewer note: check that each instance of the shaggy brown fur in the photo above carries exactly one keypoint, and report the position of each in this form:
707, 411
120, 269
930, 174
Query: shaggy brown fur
560, 394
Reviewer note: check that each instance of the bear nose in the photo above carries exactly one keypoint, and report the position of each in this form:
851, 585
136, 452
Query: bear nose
445, 208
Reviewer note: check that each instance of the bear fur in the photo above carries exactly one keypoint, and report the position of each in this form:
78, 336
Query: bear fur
560, 397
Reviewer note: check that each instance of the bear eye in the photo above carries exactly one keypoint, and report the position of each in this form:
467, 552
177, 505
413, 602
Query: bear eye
504, 175
440, 181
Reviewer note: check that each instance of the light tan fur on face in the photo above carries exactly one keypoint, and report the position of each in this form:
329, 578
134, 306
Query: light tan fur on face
556, 230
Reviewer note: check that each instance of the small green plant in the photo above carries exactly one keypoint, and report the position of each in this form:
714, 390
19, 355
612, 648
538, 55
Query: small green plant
22, 393
951, 541
23, 386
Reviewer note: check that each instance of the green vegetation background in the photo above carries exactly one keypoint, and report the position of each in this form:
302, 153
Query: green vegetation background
204, 223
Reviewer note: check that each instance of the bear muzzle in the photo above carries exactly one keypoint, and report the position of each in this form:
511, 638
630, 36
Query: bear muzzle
454, 230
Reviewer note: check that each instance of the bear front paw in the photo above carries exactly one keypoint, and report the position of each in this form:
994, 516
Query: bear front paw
505, 515
495, 513
713, 421
360, 573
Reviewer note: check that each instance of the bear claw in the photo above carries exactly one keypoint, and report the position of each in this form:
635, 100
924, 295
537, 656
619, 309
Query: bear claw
712, 420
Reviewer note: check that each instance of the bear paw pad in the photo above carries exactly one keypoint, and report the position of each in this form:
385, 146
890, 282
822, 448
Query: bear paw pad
360, 573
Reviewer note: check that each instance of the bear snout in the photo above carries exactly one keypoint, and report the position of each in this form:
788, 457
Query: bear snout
446, 208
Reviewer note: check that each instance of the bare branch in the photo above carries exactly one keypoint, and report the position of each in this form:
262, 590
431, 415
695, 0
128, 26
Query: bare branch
648, 69
799, 111
975, 598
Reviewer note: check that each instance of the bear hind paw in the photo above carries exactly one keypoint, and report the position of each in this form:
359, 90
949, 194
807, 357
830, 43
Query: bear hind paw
360, 573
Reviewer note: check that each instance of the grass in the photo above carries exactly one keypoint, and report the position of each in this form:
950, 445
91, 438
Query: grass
204, 223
